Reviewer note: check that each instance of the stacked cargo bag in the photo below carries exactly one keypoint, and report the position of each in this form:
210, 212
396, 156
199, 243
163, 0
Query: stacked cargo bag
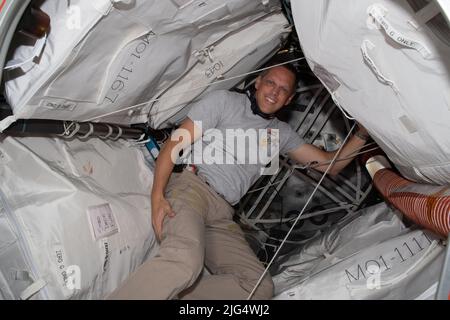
370, 254
101, 57
386, 63
75, 217
219, 65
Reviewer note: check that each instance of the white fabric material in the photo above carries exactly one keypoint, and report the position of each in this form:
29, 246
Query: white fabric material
388, 70
368, 255
49, 190
101, 60
234, 55
445, 7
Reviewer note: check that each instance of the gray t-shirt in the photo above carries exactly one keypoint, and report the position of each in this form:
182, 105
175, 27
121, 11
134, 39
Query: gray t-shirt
236, 144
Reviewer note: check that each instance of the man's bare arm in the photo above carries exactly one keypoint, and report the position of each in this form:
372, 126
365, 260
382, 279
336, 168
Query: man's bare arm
185, 135
308, 153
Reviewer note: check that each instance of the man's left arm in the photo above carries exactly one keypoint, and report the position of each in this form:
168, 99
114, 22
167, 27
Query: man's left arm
308, 153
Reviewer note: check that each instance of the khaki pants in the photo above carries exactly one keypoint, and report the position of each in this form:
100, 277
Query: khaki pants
201, 233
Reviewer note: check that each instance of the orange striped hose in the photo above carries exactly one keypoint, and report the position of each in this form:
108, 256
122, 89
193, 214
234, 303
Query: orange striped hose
426, 205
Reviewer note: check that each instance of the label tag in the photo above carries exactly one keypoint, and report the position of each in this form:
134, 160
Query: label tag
328, 79
376, 13
60, 264
408, 123
106, 262
63, 105
102, 221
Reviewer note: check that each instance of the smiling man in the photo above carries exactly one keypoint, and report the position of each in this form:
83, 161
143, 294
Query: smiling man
275, 88
192, 212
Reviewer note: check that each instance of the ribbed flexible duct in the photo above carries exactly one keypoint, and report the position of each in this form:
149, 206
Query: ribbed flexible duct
426, 205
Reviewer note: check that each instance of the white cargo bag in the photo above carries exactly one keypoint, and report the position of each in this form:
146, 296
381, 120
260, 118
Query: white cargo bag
75, 217
386, 63
368, 255
234, 55
118, 56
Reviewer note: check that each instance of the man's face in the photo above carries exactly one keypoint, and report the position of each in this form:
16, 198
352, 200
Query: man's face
275, 89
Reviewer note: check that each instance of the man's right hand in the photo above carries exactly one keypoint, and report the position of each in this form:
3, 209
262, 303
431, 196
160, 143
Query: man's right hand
160, 208
182, 137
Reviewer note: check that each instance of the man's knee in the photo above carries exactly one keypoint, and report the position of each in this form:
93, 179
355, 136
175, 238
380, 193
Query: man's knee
182, 244
189, 258
193, 266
